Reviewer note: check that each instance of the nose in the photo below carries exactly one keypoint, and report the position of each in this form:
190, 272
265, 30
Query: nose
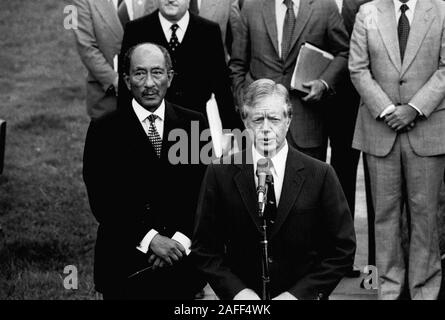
265, 125
149, 81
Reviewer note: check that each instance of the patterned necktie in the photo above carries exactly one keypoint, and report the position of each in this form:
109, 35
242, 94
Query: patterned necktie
194, 7
403, 29
270, 212
153, 135
174, 42
288, 28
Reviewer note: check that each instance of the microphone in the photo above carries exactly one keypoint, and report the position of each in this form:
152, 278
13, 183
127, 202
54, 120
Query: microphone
262, 171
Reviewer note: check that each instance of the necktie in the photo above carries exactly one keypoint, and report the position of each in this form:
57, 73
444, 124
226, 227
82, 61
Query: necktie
288, 28
194, 7
403, 29
122, 13
153, 135
270, 211
174, 42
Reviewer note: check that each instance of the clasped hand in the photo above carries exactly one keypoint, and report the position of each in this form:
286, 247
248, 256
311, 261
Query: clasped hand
402, 118
166, 252
317, 90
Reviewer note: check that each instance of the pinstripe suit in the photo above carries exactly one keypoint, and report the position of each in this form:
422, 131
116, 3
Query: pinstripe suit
415, 159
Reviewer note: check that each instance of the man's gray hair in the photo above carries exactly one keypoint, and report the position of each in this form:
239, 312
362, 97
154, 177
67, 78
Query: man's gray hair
260, 89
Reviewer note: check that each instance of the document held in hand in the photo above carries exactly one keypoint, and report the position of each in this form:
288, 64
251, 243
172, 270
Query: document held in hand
311, 62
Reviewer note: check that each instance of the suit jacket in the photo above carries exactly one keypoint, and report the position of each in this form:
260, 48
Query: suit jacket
132, 191
255, 56
382, 79
224, 12
311, 244
98, 38
199, 64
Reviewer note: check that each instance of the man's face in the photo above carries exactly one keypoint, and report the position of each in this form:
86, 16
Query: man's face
149, 79
173, 10
267, 123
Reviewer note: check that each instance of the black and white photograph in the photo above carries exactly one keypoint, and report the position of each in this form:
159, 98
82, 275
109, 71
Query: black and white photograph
219, 155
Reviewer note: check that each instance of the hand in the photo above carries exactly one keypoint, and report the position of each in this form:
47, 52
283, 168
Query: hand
246, 294
403, 116
317, 90
285, 296
156, 262
167, 249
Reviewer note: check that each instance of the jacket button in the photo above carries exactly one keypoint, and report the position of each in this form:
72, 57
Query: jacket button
401, 82
270, 260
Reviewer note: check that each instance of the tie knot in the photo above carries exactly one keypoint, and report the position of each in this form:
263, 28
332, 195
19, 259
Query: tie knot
152, 118
288, 3
404, 8
174, 27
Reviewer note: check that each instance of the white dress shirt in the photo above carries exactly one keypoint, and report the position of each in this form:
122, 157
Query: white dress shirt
280, 13
180, 32
142, 115
279, 166
410, 15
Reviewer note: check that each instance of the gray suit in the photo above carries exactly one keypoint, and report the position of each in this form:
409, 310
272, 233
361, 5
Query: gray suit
255, 55
98, 38
415, 158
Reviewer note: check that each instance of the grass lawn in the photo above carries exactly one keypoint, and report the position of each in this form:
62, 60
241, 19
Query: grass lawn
43, 205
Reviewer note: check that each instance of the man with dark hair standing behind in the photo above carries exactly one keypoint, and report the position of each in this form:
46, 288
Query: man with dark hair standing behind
197, 51
143, 201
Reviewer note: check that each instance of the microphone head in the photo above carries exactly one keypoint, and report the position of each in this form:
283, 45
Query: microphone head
263, 167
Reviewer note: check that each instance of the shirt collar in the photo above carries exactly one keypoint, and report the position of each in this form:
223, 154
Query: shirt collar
410, 3
182, 24
143, 113
278, 160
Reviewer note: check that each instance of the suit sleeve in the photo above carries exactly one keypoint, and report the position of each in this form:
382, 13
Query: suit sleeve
208, 241
240, 59
88, 49
104, 184
359, 66
221, 82
338, 45
433, 92
337, 254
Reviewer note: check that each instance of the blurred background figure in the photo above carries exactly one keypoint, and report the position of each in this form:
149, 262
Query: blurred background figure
98, 38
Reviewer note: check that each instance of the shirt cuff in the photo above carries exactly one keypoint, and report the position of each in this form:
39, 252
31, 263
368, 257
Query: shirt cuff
183, 240
417, 109
389, 109
145, 243
325, 84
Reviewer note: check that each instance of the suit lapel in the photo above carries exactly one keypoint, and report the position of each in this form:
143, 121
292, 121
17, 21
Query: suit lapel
269, 16
304, 13
421, 24
245, 182
292, 183
207, 9
109, 15
387, 27
171, 122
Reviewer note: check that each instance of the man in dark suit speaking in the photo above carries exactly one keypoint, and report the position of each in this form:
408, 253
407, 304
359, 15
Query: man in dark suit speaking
311, 239
144, 204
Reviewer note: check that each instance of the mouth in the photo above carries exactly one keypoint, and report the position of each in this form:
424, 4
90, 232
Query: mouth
149, 94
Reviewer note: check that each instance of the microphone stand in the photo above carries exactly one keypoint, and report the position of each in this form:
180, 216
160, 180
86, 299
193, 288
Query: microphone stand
264, 250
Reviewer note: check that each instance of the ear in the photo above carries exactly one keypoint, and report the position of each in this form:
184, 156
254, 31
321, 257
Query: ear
170, 75
127, 81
